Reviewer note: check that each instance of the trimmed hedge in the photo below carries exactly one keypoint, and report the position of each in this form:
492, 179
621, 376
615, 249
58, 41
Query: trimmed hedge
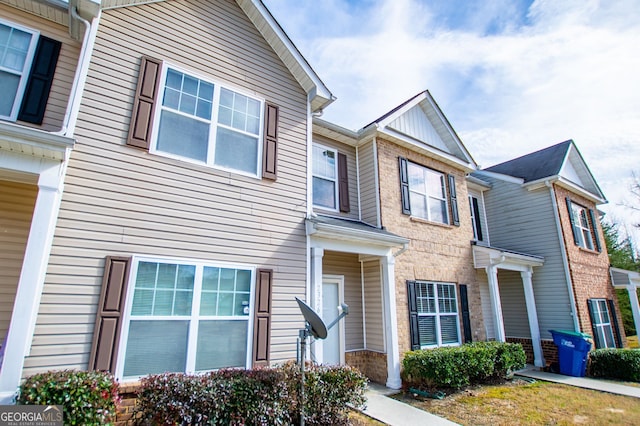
623, 364
263, 396
459, 366
87, 397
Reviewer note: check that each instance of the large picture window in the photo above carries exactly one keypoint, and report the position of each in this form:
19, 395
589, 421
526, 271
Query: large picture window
325, 176
437, 307
428, 194
17, 47
209, 123
187, 317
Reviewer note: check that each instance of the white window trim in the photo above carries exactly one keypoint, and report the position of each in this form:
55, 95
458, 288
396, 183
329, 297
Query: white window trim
583, 242
606, 327
437, 315
336, 200
217, 85
443, 180
35, 35
193, 319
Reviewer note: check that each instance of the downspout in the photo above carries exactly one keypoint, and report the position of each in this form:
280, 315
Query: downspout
565, 260
405, 247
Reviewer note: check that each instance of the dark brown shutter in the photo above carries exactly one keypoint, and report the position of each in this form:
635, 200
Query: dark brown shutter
343, 184
144, 103
453, 199
594, 228
592, 314
572, 219
613, 317
476, 213
414, 328
43, 68
270, 142
106, 333
262, 320
466, 317
404, 185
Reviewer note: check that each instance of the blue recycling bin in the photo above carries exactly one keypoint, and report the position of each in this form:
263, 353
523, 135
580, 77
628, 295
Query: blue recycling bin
573, 350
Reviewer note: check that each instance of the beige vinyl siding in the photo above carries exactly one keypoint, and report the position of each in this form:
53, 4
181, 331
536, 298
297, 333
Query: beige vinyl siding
120, 200
373, 309
487, 311
348, 266
350, 152
65, 69
17, 201
368, 184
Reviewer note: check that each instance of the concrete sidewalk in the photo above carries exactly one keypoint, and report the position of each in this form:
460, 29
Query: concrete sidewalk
581, 382
395, 413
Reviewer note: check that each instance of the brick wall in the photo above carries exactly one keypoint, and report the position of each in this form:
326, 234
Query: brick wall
127, 404
589, 269
371, 364
549, 349
437, 252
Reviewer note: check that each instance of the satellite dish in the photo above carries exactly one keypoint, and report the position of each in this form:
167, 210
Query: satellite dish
317, 325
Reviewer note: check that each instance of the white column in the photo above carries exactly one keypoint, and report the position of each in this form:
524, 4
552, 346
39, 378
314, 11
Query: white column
496, 305
31, 281
391, 322
635, 308
538, 357
316, 296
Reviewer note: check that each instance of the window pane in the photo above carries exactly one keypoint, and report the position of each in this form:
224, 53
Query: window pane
186, 277
188, 104
183, 136
243, 280
171, 98
324, 193
418, 205
142, 302
225, 304
324, 163
435, 184
163, 304
208, 303
227, 279
236, 151
182, 303
221, 344
449, 329
174, 80
416, 178
154, 347
437, 210
210, 278
241, 302
166, 275
8, 87
427, 329
190, 85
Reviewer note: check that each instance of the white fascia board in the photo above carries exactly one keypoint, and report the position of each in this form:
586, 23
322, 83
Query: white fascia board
506, 259
477, 184
567, 184
500, 176
341, 233
26, 140
334, 132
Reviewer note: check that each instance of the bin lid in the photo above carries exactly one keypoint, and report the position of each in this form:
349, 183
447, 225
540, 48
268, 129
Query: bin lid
571, 333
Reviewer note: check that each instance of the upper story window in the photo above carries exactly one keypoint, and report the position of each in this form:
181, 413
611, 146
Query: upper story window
325, 177
17, 47
583, 226
209, 123
476, 218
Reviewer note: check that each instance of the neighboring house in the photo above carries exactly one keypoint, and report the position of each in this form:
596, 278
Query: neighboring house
180, 242
43, 61
541, 210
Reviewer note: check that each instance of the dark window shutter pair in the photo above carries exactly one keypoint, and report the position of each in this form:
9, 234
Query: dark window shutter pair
43, 68
575, 230
414, 329
476, 213
144, 105
404, 185
453, 199
572, 218
108, 326
343, 184
466, 316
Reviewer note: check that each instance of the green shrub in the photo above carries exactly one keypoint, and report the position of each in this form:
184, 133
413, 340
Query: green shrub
87, 397
623, 364
459, 366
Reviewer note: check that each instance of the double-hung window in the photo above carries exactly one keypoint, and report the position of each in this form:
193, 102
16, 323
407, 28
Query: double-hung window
17, 47
186, 317
325, 177
208, 123
437, 307
583, 232
601, 322
428, 194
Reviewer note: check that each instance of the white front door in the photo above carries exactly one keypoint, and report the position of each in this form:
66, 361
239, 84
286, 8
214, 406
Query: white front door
332, 297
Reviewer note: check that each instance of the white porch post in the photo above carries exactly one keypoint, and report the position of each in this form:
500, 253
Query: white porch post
316, 295
635, 308
538, 357
391, 322
31, 281
496, 305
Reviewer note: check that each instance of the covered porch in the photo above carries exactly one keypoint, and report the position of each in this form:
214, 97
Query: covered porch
510, 272
630, 281
353, 263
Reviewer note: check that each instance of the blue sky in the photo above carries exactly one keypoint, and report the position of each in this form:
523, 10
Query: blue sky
512, 76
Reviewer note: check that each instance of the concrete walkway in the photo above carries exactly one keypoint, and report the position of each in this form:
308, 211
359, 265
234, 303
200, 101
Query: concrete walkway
581, 382
396, 413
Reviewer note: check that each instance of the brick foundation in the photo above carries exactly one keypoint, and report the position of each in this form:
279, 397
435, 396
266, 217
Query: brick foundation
127, 404
549, 349
371, 364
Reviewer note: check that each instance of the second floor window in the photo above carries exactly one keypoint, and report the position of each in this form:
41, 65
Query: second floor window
582, 224
428, 194
325, 175
208, 123
476, 218
17, 46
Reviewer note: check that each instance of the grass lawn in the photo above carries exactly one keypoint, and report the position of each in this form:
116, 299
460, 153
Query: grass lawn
540, 403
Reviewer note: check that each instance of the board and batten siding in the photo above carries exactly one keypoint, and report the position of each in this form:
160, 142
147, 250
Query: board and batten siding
17, 201
368, 184
524, 221
347, 265
65, 68
121, 201
373, 308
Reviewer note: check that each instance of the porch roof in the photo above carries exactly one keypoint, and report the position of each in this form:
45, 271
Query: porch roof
341, 229
33, 142
621, 278
485, 256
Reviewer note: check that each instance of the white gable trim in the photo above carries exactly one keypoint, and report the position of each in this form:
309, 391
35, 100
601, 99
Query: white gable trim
500, 176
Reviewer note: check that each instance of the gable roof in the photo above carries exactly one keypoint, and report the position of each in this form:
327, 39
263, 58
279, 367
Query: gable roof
560, 163
420, 124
